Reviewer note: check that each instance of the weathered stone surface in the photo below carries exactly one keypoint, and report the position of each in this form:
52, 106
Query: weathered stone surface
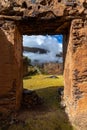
18, 17
10, 67
75, 93
38, 16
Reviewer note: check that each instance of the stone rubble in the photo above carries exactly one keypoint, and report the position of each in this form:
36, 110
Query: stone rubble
30, 99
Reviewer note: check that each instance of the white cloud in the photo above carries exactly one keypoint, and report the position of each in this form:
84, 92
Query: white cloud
47, 42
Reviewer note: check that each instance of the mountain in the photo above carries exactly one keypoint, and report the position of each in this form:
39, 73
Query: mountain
35, 50
59, 55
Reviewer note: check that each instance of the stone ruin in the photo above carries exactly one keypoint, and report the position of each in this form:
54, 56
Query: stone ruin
27, 17
52, 68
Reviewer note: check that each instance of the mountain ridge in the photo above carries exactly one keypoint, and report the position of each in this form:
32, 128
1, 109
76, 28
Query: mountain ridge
35, 50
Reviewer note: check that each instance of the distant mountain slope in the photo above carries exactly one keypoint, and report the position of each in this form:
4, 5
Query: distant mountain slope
35, 50
59, 55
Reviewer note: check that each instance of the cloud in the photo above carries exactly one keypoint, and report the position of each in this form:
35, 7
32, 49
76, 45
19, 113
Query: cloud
50, 43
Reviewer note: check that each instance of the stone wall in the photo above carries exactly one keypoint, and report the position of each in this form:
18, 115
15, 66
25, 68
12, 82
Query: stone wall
10, 67
53, 68
75, 74
27, 17
65, 46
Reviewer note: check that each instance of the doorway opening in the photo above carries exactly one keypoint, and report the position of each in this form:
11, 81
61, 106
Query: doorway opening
43, 80
43, 58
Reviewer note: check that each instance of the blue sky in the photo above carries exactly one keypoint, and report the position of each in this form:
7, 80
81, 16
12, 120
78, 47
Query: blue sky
59, 38
52, 43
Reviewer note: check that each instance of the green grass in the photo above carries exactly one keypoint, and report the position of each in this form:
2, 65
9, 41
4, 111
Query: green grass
49, 116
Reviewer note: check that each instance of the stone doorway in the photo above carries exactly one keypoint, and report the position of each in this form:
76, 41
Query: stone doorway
19, 18
44, 62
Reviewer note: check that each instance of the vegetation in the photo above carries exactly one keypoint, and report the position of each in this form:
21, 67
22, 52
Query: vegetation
42, 81
27, 60
48, 116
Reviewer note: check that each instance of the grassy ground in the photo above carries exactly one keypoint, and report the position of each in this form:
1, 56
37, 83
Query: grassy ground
42, 81
48, 116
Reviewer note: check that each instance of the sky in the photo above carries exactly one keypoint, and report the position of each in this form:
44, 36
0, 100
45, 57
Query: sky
52, 43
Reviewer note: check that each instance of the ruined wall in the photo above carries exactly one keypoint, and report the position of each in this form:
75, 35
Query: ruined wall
45, 17
65, 46
10, 67
75, 74
53, 68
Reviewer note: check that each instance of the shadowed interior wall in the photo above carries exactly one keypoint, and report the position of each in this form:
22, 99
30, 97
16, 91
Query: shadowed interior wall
10, 67
65, 45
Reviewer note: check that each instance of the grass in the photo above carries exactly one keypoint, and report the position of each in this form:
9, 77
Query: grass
49, 116
45, 87
42, 81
